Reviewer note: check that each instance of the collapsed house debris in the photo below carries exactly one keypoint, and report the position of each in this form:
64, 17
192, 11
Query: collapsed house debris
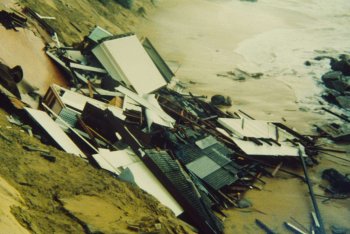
261, 138
335, 131
339, 184
338, 131
12, 20
121, 116
41, 21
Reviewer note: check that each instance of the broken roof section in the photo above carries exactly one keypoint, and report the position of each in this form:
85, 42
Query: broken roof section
153, 110
177, 181
127, 62
118, 161
99, 33
261, 138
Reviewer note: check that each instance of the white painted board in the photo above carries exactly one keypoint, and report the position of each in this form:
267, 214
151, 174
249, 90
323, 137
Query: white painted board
265, 149
57, 134
115, 161
249, 128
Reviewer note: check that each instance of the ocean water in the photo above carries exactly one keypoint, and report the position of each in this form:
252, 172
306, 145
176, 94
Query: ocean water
281, 53
204, 38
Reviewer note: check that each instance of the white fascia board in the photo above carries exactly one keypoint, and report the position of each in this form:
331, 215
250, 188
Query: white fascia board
53, 129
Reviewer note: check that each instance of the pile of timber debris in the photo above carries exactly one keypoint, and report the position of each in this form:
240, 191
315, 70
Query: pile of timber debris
124, 114
12, 20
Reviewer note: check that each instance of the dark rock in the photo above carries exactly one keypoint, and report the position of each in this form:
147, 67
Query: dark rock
339, 230
341, 86
319, 58
307, 63
343, 101
331, 77
220, 100
342, 65
244, 203
257, 75
17, 73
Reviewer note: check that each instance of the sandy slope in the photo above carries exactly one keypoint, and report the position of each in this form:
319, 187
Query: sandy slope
68, 195
9, 197
85, 14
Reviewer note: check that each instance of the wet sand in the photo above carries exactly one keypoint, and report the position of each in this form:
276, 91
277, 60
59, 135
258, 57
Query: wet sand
200, 39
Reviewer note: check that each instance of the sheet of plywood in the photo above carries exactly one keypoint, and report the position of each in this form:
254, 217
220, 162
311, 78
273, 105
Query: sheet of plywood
249, 128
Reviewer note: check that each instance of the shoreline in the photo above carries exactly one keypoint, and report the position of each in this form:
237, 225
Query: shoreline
202, 52
287, 92
268, 98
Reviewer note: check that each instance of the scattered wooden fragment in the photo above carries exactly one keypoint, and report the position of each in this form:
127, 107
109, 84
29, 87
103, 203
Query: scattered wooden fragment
264, 227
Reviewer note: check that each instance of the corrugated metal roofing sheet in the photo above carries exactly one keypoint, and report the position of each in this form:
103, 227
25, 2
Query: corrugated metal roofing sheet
206, 142
218, 153
69, 116
188, 153
199, 210
220, 178
203, 166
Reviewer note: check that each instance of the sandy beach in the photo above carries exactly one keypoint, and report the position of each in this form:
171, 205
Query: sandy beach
201, 39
